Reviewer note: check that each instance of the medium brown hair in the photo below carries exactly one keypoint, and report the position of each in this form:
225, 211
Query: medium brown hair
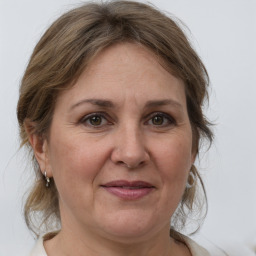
62, 54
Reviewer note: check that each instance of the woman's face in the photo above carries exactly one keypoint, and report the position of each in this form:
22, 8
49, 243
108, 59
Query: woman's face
120, 145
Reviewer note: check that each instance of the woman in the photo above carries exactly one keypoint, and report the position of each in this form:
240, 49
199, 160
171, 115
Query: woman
111, 106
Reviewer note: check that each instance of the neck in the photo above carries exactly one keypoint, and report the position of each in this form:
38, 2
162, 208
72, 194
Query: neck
76, 240
64, 245
69, 244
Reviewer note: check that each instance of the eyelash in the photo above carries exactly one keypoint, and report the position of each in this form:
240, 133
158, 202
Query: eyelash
97, 114
167, 119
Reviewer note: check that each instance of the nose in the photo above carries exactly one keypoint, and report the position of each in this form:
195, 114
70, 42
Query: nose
129, 148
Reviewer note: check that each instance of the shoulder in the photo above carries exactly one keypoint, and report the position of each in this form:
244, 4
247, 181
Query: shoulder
38, 249
195, 249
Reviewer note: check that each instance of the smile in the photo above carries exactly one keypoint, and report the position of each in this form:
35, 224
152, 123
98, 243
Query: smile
129, 190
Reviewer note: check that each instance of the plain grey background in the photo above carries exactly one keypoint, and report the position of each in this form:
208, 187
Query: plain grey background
224, 34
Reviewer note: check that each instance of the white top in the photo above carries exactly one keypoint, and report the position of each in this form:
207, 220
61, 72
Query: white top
194, 248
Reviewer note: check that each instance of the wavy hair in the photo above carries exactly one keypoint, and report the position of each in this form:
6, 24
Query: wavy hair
62, 54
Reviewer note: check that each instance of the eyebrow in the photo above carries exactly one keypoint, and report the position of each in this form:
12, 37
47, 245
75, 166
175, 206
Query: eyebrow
96, 102
157, 103
110, 104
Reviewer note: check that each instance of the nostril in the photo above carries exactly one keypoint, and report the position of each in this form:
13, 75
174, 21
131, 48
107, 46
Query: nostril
131, 166
124, 164
129, 158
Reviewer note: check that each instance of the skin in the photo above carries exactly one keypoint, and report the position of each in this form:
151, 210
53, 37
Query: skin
142, 133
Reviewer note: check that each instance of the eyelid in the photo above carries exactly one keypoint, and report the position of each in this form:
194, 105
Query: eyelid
170, 118
103, 115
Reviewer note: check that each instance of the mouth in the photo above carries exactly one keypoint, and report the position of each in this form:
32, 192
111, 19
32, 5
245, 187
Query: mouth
128, 190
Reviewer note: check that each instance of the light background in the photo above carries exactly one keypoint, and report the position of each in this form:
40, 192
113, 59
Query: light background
224, 35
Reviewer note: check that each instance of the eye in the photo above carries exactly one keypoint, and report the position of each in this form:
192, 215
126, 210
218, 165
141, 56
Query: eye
94, 120
157, 120
160, 119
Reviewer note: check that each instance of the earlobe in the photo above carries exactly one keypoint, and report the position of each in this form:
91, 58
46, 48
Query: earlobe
39, 146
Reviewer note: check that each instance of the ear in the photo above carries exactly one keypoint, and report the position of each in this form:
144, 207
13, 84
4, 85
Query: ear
193, 156
39, 145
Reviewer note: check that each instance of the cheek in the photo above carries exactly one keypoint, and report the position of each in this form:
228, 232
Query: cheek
74, 162
174, 159
175, 153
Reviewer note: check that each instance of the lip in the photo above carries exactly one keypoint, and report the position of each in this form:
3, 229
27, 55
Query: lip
129, 190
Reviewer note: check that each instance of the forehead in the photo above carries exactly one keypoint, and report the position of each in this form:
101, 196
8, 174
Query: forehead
124, 71
122, 55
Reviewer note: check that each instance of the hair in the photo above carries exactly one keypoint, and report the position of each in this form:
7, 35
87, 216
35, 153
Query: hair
63, 53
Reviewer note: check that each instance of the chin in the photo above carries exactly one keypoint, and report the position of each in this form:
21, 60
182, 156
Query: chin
129, 226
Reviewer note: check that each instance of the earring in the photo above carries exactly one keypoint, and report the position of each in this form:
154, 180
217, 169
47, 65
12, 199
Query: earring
191, 177
47, 180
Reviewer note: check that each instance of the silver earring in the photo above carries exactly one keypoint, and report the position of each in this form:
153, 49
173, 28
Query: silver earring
191, 177
47, 180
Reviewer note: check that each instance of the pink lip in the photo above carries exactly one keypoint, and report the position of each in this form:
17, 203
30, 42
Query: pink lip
129, 190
